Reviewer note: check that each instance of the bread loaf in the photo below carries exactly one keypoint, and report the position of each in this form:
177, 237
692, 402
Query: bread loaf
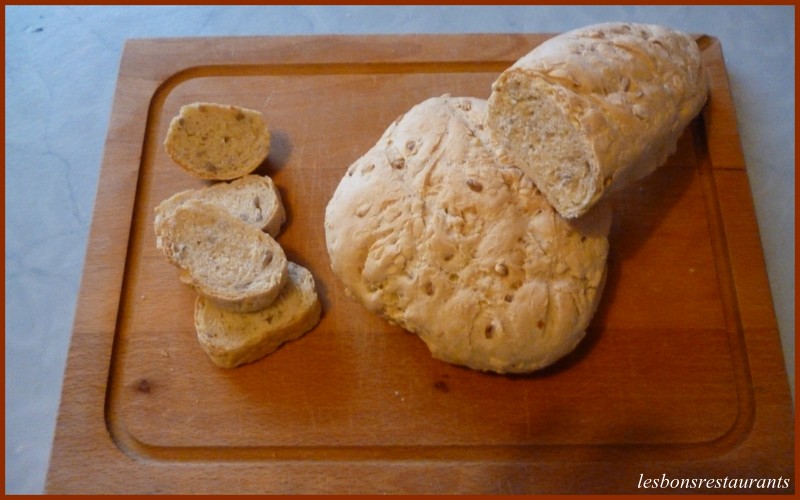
253, 198
232, 264
596, 108
217, 141
232, 339
430, 230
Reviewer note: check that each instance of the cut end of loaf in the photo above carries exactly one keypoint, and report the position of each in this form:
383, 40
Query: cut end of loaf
534, 131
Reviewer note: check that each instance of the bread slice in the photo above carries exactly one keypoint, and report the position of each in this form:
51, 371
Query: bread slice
233, 339
594, 109
217, 141
232, 264
253, 198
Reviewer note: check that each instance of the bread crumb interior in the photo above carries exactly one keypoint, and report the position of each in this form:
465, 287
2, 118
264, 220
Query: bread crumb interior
540, 136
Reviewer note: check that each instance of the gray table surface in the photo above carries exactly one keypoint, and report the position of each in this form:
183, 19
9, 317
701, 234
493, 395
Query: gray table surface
61, 69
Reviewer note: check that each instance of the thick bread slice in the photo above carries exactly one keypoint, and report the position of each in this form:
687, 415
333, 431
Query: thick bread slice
596, 108
232, 339
232, 264
431, 231
253, 198
217, 141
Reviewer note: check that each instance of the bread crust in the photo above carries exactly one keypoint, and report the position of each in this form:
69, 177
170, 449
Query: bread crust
594, 109
432, 231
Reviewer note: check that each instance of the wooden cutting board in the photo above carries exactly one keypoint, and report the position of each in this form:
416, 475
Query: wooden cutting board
680, 377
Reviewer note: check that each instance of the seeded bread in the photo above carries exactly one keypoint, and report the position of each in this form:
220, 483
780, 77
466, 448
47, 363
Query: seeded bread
233, 339
253, 198
430, 230
232, 264
594, 109
217, 141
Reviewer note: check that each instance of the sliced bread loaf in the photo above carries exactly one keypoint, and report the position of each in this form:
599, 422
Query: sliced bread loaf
232, 264
217, 141
253, 198
232, 339
594, 109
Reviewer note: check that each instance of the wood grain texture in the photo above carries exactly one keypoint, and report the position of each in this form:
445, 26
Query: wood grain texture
681, 372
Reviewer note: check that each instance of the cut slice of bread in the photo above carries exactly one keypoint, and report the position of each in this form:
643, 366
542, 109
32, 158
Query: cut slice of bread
233, 339
217, 141
253, 199
231, 263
